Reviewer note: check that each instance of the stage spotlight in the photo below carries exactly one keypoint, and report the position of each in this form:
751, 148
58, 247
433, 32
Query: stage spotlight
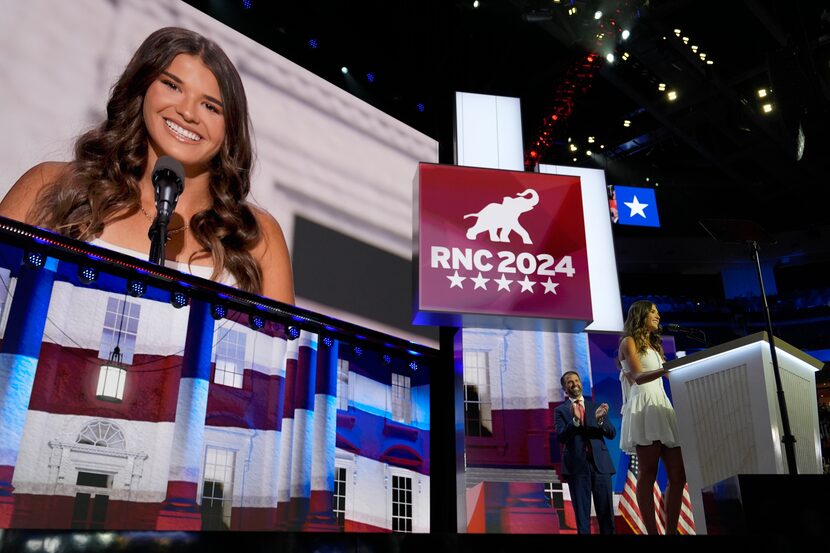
293, 332
358, 351
87, 275
35, 260
328, 341
218, 311
413, 365
136, 288
178, 299
387, 358
256, 322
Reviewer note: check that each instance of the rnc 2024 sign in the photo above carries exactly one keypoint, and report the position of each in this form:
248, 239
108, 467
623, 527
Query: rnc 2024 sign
499, 243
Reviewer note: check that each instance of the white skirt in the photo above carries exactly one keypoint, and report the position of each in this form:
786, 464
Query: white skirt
648, 416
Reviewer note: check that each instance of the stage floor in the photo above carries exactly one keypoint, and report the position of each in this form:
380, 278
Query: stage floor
180, 542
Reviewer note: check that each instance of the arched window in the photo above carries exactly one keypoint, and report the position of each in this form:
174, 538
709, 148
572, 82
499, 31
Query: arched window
102, 434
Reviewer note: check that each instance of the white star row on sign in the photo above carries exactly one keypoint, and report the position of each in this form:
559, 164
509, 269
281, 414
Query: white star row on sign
479, 282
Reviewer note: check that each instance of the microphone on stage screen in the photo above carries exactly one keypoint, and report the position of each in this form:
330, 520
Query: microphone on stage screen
168, 180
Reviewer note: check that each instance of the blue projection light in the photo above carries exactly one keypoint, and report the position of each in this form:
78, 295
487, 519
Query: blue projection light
35, 260
328, 341
387, 358
218, 311
413, 365
178, 299
293, 332
87, 275
256, 322
136, 288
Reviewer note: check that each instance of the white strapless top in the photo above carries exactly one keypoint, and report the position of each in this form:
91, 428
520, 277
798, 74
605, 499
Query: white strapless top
203, 271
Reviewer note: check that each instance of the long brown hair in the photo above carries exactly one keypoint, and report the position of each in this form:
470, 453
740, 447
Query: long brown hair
102, 181
635, 326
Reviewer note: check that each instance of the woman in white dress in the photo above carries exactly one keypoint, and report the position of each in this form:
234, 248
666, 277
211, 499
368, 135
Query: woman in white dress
649, 424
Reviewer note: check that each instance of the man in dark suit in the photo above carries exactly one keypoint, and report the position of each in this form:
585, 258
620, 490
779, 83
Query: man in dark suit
582, 427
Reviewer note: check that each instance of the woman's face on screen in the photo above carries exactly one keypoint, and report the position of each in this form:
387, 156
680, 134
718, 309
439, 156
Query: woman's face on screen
184, 113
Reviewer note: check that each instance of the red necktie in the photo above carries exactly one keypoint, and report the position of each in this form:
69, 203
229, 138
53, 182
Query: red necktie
580, 411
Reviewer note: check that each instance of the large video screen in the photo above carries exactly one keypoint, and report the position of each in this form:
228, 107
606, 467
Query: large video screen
337, 175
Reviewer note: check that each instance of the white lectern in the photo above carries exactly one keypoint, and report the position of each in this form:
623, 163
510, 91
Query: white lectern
728, 414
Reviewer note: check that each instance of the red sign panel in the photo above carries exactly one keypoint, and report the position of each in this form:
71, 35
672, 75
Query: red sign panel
494, 242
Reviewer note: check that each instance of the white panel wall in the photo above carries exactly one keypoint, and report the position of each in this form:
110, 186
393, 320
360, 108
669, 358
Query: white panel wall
602, 259
488, 131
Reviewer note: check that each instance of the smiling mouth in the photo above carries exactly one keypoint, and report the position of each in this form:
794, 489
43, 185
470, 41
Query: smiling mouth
182, 132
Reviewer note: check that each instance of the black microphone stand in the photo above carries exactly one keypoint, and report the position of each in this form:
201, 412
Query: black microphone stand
698, 336
158, 239
788, 439
739, 231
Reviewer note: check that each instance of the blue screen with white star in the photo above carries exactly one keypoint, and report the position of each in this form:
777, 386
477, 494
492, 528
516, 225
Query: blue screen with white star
637, 206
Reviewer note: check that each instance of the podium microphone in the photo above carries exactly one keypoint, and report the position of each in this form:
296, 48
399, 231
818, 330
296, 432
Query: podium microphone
168, 181
692, 333
677, 328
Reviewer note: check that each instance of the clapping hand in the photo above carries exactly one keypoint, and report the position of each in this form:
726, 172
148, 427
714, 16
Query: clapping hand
601, 412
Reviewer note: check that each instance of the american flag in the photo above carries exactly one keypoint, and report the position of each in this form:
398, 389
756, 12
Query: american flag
631, 512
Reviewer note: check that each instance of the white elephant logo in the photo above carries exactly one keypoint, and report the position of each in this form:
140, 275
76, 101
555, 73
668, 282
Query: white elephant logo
502, 219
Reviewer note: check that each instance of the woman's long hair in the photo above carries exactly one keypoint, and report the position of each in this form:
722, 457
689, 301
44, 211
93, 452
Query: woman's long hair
102, 181
635, 326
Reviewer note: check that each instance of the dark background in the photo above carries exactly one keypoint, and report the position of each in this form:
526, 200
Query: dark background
710, 154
